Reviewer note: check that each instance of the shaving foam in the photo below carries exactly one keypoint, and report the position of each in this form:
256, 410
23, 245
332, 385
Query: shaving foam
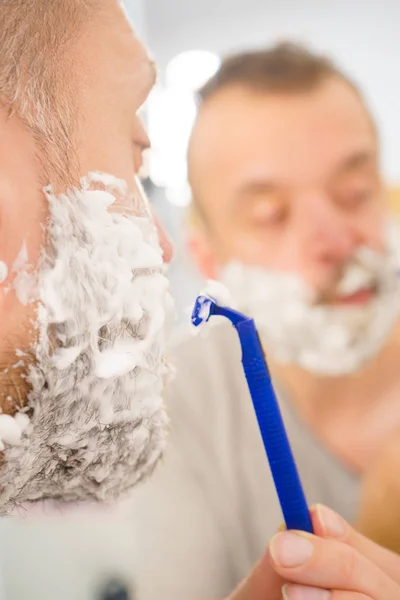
3, 271
97, 422
327, 340
24, 282
218, 292
12, 428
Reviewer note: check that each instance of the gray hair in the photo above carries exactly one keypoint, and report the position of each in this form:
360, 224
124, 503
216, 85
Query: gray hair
36, 75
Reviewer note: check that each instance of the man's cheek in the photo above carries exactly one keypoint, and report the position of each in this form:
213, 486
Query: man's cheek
19, 256
18, 290
22, 234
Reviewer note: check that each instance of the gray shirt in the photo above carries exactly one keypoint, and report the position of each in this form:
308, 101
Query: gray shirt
208, 512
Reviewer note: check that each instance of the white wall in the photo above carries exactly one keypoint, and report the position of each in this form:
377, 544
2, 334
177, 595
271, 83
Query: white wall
363, 35
137, 13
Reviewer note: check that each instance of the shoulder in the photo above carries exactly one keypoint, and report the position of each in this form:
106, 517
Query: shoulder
209, 387
216, 346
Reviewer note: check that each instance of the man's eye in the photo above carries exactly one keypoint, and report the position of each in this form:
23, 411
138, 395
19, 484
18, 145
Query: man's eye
355, 198
267, 214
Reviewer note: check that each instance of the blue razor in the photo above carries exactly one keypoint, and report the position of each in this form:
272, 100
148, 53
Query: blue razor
283, 467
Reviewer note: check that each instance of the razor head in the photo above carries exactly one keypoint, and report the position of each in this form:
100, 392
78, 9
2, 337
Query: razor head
202, 311
205, 307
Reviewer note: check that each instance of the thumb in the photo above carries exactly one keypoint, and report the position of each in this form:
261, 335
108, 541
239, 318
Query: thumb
262, 583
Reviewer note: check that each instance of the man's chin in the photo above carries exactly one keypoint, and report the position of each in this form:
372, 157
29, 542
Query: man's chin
98, 465
59, 507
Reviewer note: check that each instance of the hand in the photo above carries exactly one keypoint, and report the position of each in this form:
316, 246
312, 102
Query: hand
379, 513
336, 564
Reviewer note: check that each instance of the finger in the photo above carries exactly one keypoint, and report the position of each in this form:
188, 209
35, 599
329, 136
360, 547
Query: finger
309, 560
262, 584
300, 592
328, 524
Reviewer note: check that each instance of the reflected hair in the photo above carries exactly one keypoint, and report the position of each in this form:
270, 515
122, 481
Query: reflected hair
284, 67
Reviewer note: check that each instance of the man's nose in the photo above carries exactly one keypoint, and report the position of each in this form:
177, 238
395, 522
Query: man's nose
165, 242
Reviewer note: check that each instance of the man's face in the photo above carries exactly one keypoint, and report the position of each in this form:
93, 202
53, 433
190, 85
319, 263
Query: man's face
295, 223
115, 76
91, 384
288, 181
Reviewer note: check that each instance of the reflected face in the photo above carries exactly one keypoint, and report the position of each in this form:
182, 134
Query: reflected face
85, 303
288, 182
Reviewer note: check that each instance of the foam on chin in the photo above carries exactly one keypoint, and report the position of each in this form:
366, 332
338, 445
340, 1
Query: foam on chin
327, 340
97, 422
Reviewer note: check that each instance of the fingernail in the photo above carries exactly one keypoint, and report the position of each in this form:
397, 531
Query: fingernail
300, 592
290, 549
332, 523
281, 528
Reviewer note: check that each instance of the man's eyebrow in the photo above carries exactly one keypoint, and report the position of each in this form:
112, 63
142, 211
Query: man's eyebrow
253, 187
354, 161
256, 185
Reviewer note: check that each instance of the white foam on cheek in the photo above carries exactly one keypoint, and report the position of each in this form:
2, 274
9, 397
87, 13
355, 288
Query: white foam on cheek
119, 360
98, 422
323, 339
359, 275
64, 357
24, 282
18, 364
21, 260
11, 429
109, 181
3, 271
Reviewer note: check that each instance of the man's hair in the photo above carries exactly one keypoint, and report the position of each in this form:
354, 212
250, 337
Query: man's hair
285, 67
35, 73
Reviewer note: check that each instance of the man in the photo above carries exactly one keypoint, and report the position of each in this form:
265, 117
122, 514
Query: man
291, 215
85, 304
72, 78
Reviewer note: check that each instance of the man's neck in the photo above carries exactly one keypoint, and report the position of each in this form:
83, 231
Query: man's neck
354, 414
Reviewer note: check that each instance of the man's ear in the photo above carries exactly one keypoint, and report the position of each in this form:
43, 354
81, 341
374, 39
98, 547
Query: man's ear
200, 248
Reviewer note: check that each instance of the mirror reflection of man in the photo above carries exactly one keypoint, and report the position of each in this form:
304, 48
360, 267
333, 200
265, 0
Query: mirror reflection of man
290, 212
